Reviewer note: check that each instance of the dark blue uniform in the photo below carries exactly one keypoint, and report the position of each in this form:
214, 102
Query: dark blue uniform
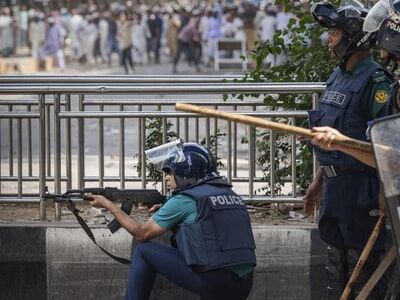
215, 240
350, 198
350, 208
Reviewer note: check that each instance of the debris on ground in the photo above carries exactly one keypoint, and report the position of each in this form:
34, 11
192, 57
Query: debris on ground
264, 213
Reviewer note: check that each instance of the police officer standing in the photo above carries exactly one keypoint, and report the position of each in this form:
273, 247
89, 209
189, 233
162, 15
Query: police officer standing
356, 93
383, 19
213, 252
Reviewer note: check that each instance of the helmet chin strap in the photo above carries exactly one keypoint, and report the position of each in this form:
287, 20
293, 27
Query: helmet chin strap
346, 53
390, 63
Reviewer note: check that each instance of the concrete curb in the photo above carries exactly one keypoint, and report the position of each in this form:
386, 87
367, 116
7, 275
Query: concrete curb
41, 262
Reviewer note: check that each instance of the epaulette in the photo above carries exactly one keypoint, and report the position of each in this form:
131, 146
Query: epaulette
379, 77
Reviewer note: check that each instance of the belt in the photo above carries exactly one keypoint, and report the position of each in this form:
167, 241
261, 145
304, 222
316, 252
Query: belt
332, 171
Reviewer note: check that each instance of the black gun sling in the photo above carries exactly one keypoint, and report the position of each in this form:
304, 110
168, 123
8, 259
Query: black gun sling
85, 227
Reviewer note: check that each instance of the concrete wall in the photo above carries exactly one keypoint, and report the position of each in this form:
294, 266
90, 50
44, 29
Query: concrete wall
43, 262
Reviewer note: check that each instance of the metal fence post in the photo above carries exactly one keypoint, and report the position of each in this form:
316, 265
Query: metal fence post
68, 146
42, 155
57, 155
11, 144
293, 159
142, 148
315, 104
101, 149
252, 145
19, 156
81, 145
121, 150
29, 129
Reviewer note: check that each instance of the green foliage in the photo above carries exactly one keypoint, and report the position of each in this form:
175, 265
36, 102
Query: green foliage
154, 138
308, 61
213, 143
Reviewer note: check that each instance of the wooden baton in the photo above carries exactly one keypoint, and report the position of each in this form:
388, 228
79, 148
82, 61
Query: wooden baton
363, 257
259, 122
376, 276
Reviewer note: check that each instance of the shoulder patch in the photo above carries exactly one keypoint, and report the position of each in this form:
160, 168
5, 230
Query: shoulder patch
381, 96
379, 77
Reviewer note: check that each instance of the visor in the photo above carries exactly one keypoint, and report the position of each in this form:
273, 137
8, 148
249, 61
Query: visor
171, 152
378, 13
358, 4
353, 9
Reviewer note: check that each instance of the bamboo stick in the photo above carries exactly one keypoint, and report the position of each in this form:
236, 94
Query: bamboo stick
259, 122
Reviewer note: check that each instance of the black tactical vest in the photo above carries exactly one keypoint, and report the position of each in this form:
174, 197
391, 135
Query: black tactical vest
340, 107
221, 235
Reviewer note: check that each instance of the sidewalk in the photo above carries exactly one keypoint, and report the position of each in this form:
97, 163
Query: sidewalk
164, 68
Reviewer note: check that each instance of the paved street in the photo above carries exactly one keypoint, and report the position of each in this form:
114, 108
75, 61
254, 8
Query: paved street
164, 68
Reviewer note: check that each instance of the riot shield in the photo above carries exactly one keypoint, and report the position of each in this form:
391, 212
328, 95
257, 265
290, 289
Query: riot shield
385, 136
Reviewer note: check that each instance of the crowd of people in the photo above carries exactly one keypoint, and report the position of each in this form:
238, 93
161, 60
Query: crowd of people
137, 34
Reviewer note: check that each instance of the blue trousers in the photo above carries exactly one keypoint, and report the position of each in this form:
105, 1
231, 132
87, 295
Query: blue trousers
151, 258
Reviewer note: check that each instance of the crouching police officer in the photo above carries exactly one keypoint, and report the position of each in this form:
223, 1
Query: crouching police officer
356, 93
213, 253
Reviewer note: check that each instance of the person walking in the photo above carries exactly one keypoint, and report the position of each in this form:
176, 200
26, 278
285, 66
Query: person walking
186, 39
140, 35
37, 31
54, 43
125, 42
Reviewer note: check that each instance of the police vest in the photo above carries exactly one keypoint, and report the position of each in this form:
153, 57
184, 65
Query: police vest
340, 107
221, 235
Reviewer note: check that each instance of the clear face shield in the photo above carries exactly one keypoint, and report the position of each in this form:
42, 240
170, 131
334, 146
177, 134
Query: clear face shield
379, 12
171, 152
355, 8
385, 136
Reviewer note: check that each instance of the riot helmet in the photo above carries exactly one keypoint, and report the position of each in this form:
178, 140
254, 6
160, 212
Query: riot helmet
384, 18
189, 163
350, 19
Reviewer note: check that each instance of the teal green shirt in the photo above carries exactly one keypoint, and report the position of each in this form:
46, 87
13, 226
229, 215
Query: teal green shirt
182, 208
177, 209
376, 92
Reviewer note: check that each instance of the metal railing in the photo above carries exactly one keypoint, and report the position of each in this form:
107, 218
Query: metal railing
62, 129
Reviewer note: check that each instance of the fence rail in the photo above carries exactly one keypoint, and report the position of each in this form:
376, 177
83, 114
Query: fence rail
78, 131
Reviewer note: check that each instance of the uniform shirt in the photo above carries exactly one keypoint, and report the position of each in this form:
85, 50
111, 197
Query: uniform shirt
376, 92
182, 208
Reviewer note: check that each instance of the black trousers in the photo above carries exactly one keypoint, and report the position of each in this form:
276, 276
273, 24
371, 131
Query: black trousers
152, 258
126, 58
190, 53
340, 265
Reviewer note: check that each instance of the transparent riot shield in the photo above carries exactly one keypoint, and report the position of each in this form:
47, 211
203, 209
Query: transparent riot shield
385, 136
